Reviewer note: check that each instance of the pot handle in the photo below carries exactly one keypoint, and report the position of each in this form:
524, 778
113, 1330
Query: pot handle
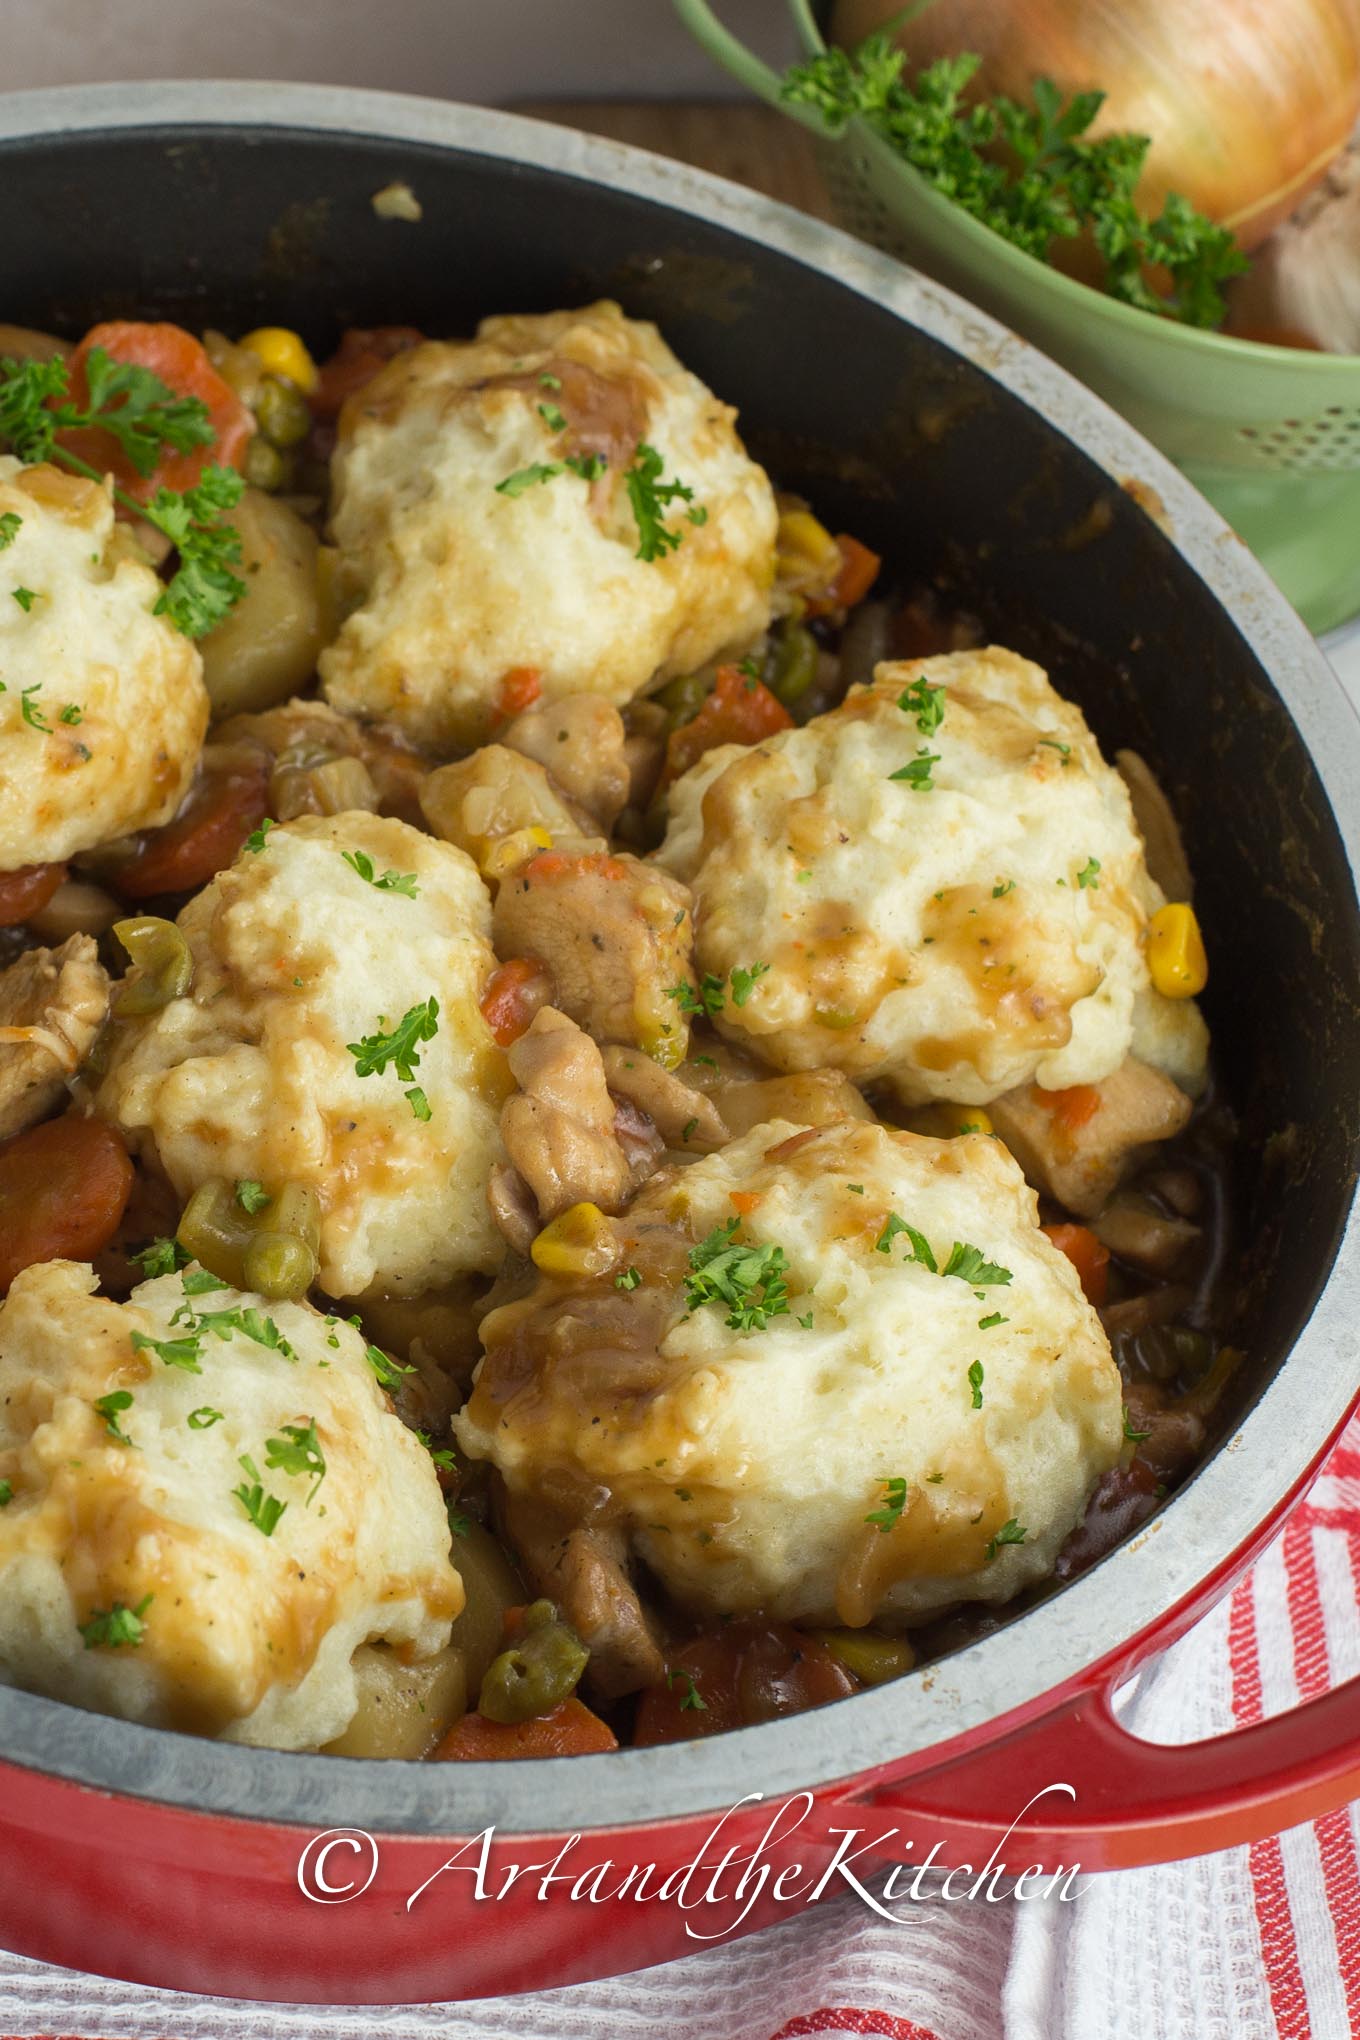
729, 51
1103, 1799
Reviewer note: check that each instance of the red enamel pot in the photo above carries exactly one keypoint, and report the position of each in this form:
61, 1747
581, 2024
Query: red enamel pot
950, 446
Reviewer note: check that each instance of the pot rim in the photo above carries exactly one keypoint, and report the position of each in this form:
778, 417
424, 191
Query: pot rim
1099, 1617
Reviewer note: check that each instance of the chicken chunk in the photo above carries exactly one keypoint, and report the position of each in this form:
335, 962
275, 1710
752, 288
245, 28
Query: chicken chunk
326, 763
558, 1128
580, 741
53, 1003
582, 1570
1079, 1158
684, 1117
503, 807
615, 935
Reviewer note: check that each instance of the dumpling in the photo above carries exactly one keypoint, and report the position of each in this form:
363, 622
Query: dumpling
305, 951
470, 549
146, 1569
104, 709
832, 1375
939, 884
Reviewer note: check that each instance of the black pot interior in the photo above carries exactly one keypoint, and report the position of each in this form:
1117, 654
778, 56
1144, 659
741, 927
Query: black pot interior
893, 437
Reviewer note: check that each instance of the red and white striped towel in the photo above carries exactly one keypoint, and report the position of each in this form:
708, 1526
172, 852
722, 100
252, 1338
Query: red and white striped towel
1253, 1944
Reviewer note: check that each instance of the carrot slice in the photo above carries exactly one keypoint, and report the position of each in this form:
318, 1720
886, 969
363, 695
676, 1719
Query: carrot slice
1071, 1108
514, 992
183, 366
24, 891
570, 1730
64, 1187
740, 710
859, 571
520, 688
202, 840
1088, 1255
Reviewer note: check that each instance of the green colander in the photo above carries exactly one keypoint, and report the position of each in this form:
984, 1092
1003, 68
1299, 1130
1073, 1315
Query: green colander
1271, 435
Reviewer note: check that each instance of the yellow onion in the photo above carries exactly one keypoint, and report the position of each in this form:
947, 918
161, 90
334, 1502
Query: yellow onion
1247, 102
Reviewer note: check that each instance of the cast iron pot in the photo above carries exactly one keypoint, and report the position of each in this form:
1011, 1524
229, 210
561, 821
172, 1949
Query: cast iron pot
951, 447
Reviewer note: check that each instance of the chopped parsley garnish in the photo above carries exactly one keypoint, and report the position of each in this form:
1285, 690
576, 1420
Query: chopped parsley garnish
926, 703
256, 839
298, 1451
689, 1127
1009, 1533
917, 774
72, 714
110, 1408
1002, 887
552, 417
968, 1264
705, 1002
858, 1188
388, 1370
1051, 744
528, 477
894, 1502
25, 598
111, 1628
203, 1419
401, 1050
749, 1279
920, 1245
589, 466
440, 1454
182, 1353
744, 981
10, 523
202, 1282
145, 417
252, 1196
263, 1510
1089, 875
649, 497
257, 1327
391, 881
1134, 1437
162, 1257
549, 382
691, 1699
6, 1493
975, 1379
986, 1324
30, 710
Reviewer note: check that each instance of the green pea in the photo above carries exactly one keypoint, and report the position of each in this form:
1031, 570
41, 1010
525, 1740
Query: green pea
795, 664
281, 413
164, 966
539, 1670
264, 466
280, 1265
682, 698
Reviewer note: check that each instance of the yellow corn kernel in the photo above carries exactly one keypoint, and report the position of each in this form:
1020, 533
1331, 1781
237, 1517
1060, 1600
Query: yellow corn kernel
957, 1119
280, 351
1176, 959
871, 1657
501, 855
805, 549
580, 1241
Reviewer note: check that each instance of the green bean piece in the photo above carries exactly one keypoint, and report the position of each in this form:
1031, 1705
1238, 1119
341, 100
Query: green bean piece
216, 1232
164, 966
795, 664
282, 413
264, 467
279, 1265
538, 1671
296, 1209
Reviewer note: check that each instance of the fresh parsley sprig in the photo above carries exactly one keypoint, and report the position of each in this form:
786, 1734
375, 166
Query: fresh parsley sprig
400, 1049
650, 498
1029, 171
145, 417
748, 1279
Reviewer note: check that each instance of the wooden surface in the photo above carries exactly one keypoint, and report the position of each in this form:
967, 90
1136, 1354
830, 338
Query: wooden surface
751, 144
